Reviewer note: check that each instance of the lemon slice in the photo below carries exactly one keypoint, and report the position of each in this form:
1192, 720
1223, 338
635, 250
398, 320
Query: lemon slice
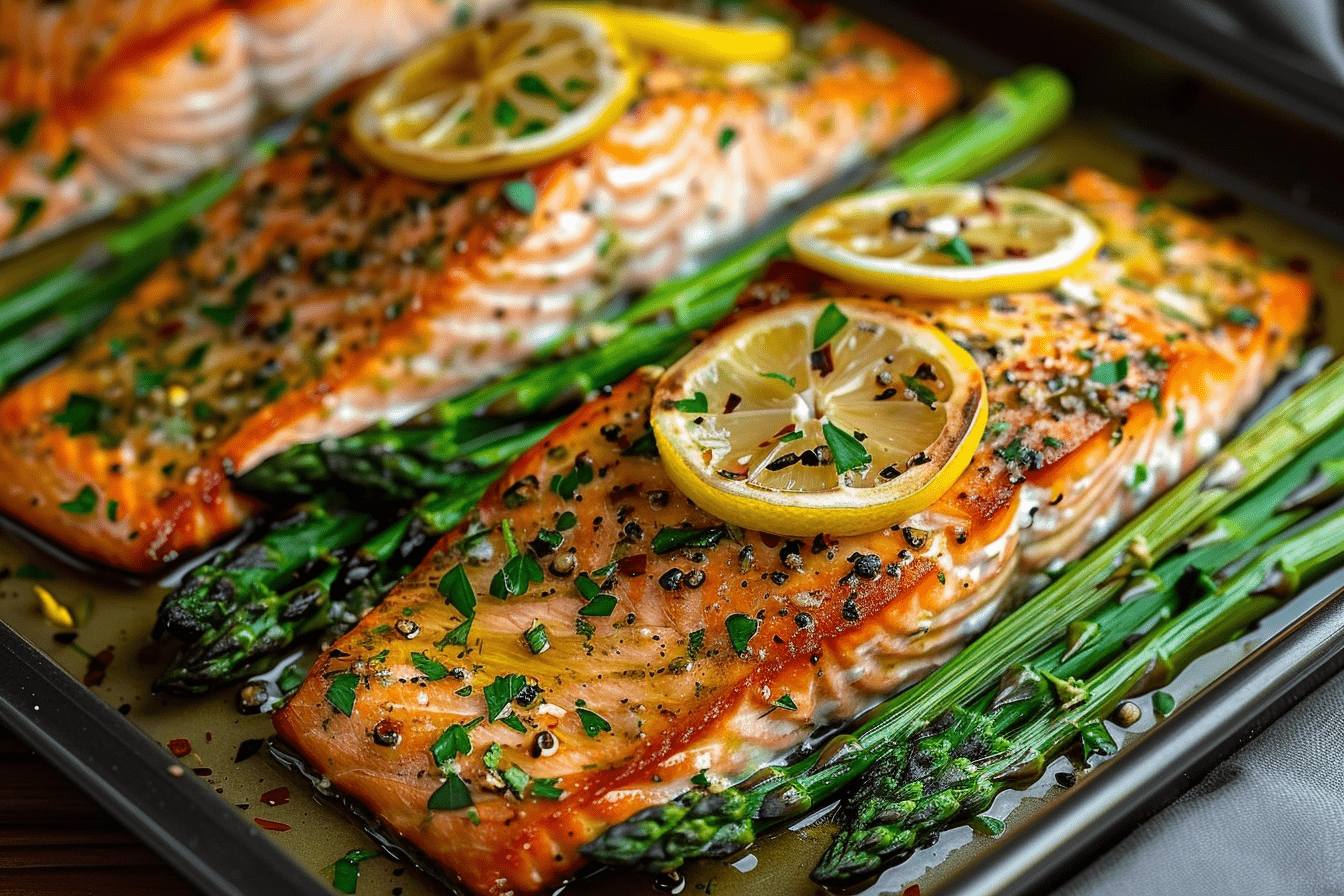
953, 241
694, 38
840, 417
499, 97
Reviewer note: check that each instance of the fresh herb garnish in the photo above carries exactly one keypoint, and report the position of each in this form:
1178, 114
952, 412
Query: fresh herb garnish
669, 538
922, 392
500, 693
785, 702
1108, 373
831, 321
566, 521
26, 210
741, 629
726, 138
791, 382
452, 794
537, 639
695, 642
454, 741
345, 873
958, 251
520, 571
697, 404
84, 502
565, 486
429, 667
19, 128
847, 452
593, 724
83, 413
341, 692
1242, 317
521, 195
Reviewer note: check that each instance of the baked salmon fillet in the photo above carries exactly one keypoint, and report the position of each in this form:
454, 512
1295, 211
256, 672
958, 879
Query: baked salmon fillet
669, 639
326, 293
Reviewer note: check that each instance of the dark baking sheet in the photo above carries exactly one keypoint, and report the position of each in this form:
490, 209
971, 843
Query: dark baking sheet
220, 847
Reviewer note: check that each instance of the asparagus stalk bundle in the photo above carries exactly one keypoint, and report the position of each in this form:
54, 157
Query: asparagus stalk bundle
702, 823
954, 768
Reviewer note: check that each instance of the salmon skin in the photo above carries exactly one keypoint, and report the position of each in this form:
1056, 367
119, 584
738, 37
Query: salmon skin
676, 646
100, 99
327, 293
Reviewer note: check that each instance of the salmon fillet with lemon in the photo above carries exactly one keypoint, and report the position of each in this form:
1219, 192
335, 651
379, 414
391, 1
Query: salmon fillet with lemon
590, 643
100, 99
328, 293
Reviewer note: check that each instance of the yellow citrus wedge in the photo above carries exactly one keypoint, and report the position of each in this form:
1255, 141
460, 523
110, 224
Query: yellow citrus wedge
840, 417
499, 97
694, 38
956, 241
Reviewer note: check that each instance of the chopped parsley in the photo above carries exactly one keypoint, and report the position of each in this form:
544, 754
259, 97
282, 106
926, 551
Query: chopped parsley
695, 642
726, 138
922, 392
1052, 442
500, 693
452, 794
26, 210
454, 741
1108, 373
341, 692
741, 629
19, 128
785, 702
565, 486
537, 640
83, 413
847, 452
520, 571
670, 538
429, 667
521, 195
1242, 317
790, 381
958, 251
831, 321
84, 502
593, 724
696, 404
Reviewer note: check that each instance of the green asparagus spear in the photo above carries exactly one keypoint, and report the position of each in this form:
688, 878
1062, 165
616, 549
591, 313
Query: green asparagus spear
704, 824
901, 806
347, 584
271, 561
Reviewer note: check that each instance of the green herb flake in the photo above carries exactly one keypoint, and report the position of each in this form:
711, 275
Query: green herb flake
741, 629
82, 503
19, 128
593, 724
83, 413
847, 452
26, 211
464, 691
1178, 428
1052, 442
545, 788
791, 436
519, 572
566, 521
600, 605
565, 486
341, 692
789, 381
506, 113
998, 428
453, 742
1146, 205
644, 446
695, 642
831, 321
61, 170
700, 779
34, 572
516, 780
345, 873
500, 693
922, 392
452, 794
456, 637
537, 640
112, 507
457, 591
670, 538
726, 138
1242, 317
521, 195
697, 404
429, 667
958, 251
785, 702
1108, 373
1163, 703
1140, 476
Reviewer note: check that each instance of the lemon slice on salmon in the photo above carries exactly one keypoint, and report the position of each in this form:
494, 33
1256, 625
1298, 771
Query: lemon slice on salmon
840, 417
955, 241
500, 97
694, 38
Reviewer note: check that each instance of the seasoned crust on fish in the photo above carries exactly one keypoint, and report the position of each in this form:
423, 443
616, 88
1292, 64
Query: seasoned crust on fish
327, 294
686, 669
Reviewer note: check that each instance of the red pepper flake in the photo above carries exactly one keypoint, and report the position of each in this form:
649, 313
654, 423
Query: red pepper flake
267, 825
1299, 264
179, 747
634, 565
209, 737
97, 670
277, 797
1156, 172
821, 360
731, 404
